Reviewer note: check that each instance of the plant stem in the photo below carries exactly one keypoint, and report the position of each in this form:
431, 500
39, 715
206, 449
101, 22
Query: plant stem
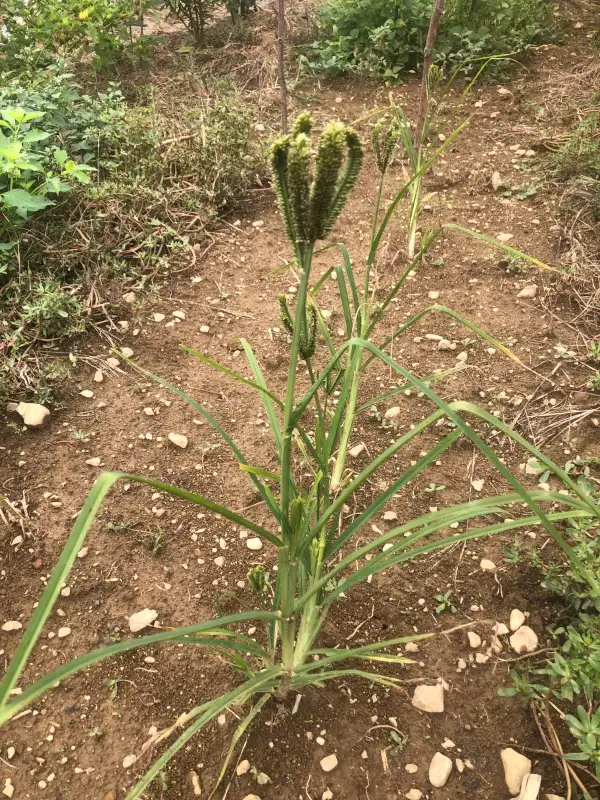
288, 564
434, 26
281, 63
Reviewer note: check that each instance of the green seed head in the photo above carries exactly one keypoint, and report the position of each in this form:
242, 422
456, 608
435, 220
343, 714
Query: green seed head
386, 135
257, 577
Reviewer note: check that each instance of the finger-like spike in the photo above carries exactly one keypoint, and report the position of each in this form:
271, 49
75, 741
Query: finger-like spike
298, 184
347, 179
284, 314
279, 168
303, 123
330, 156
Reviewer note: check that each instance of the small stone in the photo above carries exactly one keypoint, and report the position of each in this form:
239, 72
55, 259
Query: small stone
93, 462
219, 561
33, 414
524, 640
127, 352
158, 317
129, 761
516, 767
530, 788
195, 779
390, 516
497, 181
411, 647
504, 91
485, 565
9, 789
251, 797
141, 619
179, 314
65, 592
528, 291
12, 625
478, 484
393, 412
259, 223
429, 698
517, 618
243, 767
221, 719
356, 450
329, 762
178, 439
505, 237
112, 362
414, 794
98, 376
446, 344
129, 297
460, 765
10, 753
411, 768
463, 357
433, 295
474, 639
62, 632
204, 329
440, 770
448, 744
461, 665
500, 629
254, 544
327, 795
83, 552
481, 658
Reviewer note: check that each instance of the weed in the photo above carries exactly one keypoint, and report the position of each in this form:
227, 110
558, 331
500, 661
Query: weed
514, 265
445, 603
81, 436
155, 539
318, 557
593, 351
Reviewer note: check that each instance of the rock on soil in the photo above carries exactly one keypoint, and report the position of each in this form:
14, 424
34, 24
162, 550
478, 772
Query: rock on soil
141, 619
12, 625
414, 794
517, 618
392, 412
429, 698
440, 770
329, 762
254, 543
474, 639
178, 439
33, 414
243, 767
251, 797
486, 565
516, 767
356, 450
524, 640
528, 291
530, 788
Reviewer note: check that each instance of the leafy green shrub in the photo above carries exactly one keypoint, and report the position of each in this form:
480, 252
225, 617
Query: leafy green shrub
29, 173
387, 37
32, 32
319, 559
87, 127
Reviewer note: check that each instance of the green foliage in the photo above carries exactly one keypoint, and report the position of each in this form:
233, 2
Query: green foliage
34, 32
579, 156
445, 603
387, 37
30, 174
572, 674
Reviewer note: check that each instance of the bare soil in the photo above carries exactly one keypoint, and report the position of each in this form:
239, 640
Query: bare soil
73, 743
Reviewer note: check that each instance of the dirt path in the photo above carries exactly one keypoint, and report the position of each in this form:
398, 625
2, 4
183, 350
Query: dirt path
81, 733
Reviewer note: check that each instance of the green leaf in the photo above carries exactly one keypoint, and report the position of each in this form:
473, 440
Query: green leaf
22, 200
35, 136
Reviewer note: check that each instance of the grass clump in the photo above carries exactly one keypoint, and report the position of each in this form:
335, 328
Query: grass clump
387, 37
320, 547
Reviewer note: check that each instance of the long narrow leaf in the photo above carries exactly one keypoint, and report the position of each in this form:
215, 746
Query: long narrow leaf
267, 396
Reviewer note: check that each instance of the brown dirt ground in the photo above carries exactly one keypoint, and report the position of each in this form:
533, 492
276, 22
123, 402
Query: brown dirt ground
81, 732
